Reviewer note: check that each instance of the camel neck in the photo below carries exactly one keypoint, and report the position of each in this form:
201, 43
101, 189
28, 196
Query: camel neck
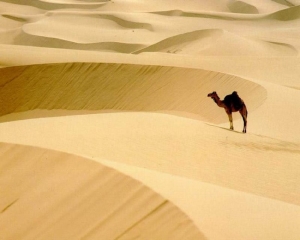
218, 101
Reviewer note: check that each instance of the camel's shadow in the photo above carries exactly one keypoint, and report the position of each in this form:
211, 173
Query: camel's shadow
225, 128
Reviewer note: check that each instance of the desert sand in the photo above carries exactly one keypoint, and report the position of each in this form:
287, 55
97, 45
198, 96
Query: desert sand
107, 132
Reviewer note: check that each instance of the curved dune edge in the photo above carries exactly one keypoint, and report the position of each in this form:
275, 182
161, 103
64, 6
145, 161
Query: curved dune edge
55, 195
121, 87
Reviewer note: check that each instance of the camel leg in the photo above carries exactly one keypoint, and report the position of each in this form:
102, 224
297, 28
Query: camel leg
230, 120
244, 114
245, 124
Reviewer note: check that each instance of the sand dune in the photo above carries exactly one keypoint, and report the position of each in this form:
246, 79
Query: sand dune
17, 8
270, 213
118, 87
57, 4
20, 37
154, 5
284, 2
293, 2
9, 23
282, 71
289, 14
81, 95
90, 28
63, 196
174, 145
237, 215
210, 42
98, 32
208, 15
136, 88
242, 7
211, 6
130, 32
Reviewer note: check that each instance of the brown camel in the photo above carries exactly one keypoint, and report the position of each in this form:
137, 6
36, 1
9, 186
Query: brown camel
231, 103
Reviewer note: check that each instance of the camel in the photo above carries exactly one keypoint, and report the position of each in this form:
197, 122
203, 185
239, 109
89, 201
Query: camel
231, 103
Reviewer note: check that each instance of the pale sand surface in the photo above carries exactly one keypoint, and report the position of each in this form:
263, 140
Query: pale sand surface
174, 145
125, 84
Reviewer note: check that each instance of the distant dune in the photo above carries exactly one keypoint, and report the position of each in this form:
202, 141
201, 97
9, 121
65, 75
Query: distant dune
49, 24
210, 42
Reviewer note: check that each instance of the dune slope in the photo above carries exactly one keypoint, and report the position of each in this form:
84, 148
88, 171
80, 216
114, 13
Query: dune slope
62, 196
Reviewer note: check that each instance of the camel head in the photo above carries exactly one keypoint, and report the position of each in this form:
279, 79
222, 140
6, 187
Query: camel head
212, 95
